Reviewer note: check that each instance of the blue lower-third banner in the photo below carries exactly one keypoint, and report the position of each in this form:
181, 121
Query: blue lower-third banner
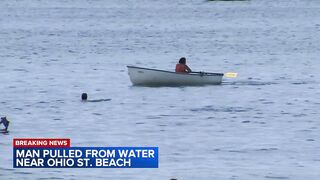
86, 157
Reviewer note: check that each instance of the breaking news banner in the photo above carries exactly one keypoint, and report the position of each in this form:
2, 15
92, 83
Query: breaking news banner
57, 153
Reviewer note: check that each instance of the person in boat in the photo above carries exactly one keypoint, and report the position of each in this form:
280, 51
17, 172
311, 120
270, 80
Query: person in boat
181, 67
5, 122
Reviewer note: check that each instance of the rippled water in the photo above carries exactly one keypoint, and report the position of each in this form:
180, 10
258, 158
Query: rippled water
262, 125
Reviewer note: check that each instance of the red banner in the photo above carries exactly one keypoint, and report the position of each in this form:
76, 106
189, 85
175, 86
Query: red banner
41, 142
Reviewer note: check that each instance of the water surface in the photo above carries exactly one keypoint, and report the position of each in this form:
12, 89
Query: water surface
262, 125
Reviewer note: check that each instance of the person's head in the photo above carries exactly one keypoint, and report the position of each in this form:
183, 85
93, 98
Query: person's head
182, 60
84, 96
4, 120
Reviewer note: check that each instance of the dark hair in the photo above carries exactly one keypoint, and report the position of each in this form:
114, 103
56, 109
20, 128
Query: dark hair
182, 60
84, 96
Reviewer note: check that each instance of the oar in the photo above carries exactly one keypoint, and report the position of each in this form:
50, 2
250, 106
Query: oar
228, 74
231, 74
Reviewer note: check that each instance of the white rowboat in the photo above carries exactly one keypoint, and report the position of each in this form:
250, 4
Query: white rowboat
153, 77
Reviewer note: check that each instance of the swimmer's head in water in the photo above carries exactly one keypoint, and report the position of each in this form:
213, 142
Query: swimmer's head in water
84, 96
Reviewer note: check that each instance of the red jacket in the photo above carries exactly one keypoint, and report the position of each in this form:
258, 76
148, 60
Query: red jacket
181, 68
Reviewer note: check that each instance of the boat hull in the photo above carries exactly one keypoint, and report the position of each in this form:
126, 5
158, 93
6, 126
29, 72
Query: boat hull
153, 77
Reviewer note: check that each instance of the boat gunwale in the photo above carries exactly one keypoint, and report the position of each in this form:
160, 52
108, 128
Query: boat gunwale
196, 74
